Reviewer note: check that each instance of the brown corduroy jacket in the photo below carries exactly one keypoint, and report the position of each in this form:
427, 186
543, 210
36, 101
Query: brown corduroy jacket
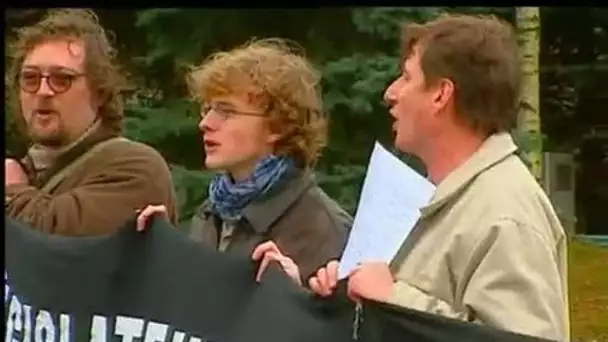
99, 194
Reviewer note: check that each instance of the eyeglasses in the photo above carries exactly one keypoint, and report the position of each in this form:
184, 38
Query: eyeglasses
225, 112
59, 82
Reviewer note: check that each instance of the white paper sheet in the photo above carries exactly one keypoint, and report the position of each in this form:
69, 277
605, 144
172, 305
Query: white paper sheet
389, 207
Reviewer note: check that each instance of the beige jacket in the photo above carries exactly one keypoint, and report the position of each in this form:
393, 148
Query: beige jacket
488, 248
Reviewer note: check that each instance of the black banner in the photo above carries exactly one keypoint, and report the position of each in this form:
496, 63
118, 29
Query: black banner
158, 286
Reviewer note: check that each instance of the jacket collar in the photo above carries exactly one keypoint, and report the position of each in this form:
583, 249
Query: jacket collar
493, 150
93, 136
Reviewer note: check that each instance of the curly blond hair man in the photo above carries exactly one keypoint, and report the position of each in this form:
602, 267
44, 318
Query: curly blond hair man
263, 129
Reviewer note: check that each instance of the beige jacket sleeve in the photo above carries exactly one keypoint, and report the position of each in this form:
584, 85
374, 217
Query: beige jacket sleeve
513, 279
408, 295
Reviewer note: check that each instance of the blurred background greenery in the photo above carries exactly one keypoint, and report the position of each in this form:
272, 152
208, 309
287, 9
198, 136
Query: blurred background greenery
357, 50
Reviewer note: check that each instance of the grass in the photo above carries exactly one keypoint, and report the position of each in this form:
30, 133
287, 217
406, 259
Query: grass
588, 282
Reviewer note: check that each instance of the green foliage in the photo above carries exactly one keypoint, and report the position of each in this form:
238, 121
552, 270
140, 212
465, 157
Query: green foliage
358, 82
387, 22
152, 125
169, 51
191, 190
342, 182
171, 126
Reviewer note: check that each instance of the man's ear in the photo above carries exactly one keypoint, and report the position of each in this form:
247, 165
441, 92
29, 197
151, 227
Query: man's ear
273, 138
98, 98
445, 90
274, 132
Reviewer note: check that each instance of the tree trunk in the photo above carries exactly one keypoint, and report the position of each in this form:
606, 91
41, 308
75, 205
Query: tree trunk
528, 126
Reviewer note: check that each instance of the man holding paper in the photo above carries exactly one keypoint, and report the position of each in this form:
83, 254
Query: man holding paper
488, 246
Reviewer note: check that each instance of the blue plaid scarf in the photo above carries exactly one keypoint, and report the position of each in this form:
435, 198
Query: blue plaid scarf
229, 199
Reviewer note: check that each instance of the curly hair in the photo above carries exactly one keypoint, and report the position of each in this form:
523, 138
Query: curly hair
281, 81
480, 55
101, 68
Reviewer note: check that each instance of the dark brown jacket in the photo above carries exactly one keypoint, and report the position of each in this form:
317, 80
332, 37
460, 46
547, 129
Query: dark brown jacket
299, 217
97, 196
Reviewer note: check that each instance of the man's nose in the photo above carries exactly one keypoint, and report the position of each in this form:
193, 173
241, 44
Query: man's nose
45, 89
208, 122
389, 94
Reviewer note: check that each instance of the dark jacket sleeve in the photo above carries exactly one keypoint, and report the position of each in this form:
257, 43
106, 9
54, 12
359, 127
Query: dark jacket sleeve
316, 233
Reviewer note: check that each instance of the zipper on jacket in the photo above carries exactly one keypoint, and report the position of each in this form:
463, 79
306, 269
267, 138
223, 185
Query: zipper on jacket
357, 321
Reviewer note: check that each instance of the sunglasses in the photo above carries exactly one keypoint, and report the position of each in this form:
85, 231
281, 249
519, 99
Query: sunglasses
58, 82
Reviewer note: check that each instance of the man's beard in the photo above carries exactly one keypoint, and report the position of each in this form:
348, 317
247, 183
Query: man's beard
53, 137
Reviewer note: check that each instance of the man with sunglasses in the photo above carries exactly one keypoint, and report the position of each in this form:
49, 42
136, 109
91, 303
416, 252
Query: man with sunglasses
263, 129
79, 176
